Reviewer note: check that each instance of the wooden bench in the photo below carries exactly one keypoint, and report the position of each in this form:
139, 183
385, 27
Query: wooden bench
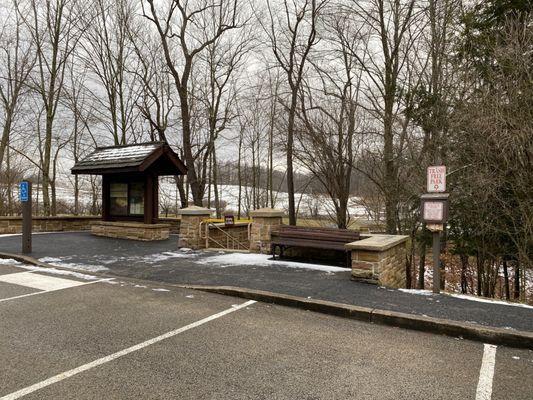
317, 238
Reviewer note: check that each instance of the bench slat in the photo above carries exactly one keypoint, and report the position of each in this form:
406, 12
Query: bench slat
316, 235
318, 238
311, 244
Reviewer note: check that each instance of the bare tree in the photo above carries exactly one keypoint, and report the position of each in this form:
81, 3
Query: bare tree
218, 69
54, 30
107, 51
292, 34
16, 62
329, 115
186, 27
391, 24
156, 101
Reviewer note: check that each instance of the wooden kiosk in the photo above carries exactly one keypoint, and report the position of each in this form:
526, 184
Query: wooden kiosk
130, 189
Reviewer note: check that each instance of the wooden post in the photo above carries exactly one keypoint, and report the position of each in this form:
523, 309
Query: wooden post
25, 198
436, 261
148, 199
155, 195
105, 198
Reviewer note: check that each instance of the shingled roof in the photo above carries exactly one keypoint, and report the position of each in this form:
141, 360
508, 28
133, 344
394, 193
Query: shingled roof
157, 157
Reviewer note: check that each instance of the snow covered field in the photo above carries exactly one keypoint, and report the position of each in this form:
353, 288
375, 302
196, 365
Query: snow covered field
307, 204
229, 194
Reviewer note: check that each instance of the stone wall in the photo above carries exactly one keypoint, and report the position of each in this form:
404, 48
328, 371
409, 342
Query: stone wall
48, 224
131, 230
392, 273
173, 222
67, 223
379, 259
217, 238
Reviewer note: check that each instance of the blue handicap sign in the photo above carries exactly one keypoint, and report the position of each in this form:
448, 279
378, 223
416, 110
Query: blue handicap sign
23, 191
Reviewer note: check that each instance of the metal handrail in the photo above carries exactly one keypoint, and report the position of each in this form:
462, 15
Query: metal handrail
229, 237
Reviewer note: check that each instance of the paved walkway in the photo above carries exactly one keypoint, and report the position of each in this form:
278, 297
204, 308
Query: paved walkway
165, 262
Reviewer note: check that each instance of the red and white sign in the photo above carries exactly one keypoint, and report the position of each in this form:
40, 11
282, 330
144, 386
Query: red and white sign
433, 211
436, 182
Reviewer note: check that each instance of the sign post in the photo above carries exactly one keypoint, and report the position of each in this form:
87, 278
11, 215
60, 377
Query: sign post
435, 213
26, 200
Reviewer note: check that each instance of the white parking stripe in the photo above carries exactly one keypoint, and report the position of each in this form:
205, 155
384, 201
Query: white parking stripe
486, 373
48, 291
38, 281
50, 381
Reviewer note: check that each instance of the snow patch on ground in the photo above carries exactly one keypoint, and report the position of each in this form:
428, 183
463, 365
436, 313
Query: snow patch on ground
50, 259
262, 260
58, 262
484, 300
417, 291
467, 297
160, 290
60, 272
166, 255
9, 261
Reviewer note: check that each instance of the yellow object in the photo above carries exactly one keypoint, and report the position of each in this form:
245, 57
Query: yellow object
221, 220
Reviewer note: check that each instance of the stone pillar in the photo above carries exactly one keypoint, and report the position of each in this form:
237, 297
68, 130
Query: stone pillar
263, 221
379, 259
191, 217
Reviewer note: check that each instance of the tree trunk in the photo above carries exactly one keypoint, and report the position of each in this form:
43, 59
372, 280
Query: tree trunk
342, 221
7, 209
464, 267
209, 177
506, 280
215, 184
409, 264
53, 207
46, 164
290, 146
239, 177
192, 177
479, 268
5, 138
180, 183
422, 266
270, 177
9, 190
76, 195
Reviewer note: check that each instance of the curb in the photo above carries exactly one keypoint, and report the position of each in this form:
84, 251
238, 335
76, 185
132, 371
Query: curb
493, 335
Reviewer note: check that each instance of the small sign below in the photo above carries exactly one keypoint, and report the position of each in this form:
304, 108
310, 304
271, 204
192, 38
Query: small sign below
24, 191
434, 208
435, 227
433, 211
436, 179
229, 220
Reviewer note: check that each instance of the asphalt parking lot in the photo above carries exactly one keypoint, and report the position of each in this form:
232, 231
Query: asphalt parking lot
67, 337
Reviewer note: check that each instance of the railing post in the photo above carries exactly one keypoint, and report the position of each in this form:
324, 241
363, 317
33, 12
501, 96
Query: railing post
190, 227
263, 221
